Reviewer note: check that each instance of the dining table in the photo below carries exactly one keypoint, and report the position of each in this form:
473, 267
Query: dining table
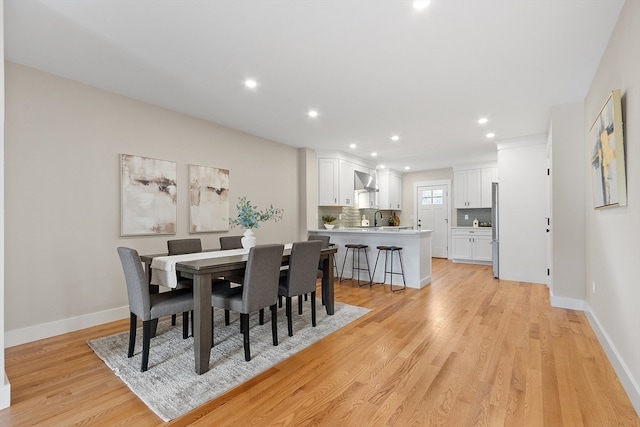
206, 269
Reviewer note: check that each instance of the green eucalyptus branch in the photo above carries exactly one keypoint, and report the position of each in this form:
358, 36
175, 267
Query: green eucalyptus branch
249, 216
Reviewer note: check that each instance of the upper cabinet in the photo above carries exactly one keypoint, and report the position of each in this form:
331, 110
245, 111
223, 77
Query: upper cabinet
473, 187
347, 183
328, 182
336, 182
390, 189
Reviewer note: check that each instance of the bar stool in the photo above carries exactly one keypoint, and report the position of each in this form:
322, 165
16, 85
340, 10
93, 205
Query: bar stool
392, 249
355, 250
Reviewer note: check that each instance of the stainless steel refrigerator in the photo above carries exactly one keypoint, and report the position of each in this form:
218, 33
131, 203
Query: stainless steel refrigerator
495, 230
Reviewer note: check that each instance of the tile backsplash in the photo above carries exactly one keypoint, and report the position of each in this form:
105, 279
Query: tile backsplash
483, 215
351, 216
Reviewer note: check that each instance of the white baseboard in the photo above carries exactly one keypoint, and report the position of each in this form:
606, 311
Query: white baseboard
628, 382
46, 330
5, 393
568, 303
425, 281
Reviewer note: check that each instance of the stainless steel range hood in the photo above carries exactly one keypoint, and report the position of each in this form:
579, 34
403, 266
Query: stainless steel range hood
365, 182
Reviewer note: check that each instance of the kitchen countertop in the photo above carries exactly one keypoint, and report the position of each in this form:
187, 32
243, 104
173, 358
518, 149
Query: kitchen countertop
376, 230
466, 227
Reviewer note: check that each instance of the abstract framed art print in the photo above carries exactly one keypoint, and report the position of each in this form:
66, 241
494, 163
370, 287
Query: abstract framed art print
148, 196
608, 176
208, 199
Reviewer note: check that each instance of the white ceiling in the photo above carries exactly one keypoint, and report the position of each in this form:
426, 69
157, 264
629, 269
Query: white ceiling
371, 68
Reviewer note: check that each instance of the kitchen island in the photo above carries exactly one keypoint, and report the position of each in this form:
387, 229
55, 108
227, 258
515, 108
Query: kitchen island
416, 252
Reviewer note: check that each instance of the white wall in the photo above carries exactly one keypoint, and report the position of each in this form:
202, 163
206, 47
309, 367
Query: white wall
613, 235
62, 197
5, 387
567, 216
522, 192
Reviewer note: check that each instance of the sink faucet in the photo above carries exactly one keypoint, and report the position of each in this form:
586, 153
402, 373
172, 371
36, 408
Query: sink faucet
375, 218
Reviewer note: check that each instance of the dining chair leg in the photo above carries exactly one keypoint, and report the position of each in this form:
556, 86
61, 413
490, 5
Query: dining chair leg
289, 317
146, 341
173, 320
300, 303
133, 323
226, 318
185, 325
274, 324
244, 321
261, 317
313, 309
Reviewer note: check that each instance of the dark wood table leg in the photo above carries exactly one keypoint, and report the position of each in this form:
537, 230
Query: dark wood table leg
202, 321
327, 283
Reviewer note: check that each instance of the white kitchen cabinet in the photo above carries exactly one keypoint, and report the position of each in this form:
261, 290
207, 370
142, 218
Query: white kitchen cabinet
367, 200
328, 182
473, 187
347, 187
335, 182
472, 245
390, 190
489, 176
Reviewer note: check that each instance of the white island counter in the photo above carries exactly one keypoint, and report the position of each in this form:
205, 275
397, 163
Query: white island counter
416, 252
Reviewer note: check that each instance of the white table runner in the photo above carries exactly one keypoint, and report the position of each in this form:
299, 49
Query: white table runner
163, 268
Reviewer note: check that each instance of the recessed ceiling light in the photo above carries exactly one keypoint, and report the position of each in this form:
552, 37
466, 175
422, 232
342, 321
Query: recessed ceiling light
491, 135
352, 145
313, 113
381, 166
374, 154
420, 5
250, 83
407, 168
483, 120
395, 138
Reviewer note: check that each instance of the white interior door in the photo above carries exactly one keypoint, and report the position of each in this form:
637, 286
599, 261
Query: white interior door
433, 214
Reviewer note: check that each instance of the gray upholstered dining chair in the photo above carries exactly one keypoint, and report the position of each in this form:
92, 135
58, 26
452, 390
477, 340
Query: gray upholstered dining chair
227, 243
147, 306
184, 246
230, 242
181, 247
259, 290
301, 278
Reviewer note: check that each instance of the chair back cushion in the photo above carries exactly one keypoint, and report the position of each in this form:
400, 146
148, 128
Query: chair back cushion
184, 246
262, 274
303, 267
230, 242
137, 286
323, 239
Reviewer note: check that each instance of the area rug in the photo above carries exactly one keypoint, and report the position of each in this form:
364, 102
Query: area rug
171, 388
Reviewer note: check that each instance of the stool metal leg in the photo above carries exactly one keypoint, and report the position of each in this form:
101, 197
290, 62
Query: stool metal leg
366, 258
346, 254
404, 283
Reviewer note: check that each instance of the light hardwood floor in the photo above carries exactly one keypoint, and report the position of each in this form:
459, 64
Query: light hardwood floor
468, 350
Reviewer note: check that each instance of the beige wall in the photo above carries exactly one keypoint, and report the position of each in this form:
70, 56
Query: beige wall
613, 235
567, 206
62, 196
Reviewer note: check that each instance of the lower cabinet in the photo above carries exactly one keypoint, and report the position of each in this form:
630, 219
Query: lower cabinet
471, 245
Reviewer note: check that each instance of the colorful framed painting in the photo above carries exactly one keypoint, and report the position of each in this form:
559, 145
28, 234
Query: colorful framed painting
608, 174
148, 196
208, 199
